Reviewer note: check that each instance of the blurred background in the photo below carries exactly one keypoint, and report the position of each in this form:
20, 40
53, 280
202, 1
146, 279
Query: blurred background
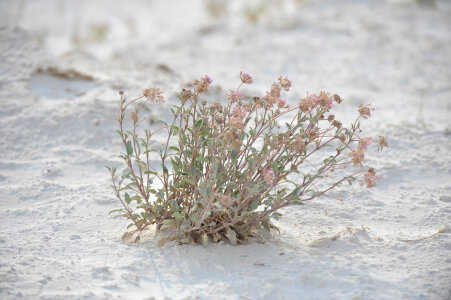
393, 53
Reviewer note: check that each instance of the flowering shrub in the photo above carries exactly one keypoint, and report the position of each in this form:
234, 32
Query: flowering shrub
225, 169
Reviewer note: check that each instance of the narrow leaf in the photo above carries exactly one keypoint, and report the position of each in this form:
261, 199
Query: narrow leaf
127, 198
129, 148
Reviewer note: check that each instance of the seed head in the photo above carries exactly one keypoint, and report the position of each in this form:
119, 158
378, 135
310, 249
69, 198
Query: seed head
220, 119
370, 178
337, 98
299, 144
357, 156
365, 111
285, 83
273, 96
154, 95
303, 105
134, 116
236, 123
218, 107
325, 100
336, 123
381, 143
186, 95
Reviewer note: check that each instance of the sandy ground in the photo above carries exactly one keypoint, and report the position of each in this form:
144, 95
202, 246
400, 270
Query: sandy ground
57, 134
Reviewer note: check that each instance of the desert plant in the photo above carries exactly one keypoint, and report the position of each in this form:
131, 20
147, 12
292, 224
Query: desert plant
223, 170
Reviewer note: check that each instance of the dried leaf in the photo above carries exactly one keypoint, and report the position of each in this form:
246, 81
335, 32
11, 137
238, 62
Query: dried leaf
162, 242
231, 235
126, 236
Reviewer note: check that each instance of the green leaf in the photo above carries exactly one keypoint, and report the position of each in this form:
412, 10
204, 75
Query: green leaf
151, 172
163, 122
165, 170
115, 210
121, 216
266, 224
194, 217
177, 217
127, 198
202, 159
175, 206
198, 123
129, 148
189, 181
295, 192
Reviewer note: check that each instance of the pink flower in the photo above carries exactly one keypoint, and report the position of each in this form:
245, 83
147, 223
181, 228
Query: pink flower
269, 176
308, 103
357, 156
236, 122
282, 103
370, 178
246, 78
325, 100
234, 96
208, 79
203, 84
239, 112
273, 96
365, 143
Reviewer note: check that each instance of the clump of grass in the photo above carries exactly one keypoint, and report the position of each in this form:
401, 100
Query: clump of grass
226, 168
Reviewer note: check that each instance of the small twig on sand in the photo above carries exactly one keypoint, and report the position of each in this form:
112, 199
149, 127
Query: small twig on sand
443, 230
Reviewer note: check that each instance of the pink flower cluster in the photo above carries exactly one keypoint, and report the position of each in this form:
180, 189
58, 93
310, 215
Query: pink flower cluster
285, 83
246, 78
272, 97
234, 96
370, 178
358, 155
238, 117
269, 176
365, 111
282, 103
203, 84
312, 101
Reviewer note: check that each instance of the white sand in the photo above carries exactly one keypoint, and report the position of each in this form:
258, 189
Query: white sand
56, 239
